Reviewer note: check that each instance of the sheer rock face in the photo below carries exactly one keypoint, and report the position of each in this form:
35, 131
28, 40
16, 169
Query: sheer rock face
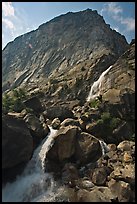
62, 47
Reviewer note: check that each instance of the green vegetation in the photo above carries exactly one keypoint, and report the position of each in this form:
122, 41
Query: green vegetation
108, 122
13, 101
95, 103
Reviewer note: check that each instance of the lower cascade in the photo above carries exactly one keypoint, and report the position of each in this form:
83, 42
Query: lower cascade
33, 182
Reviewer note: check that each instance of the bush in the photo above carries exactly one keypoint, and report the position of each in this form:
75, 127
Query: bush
106, 116
13, 101
108, 122
95, 103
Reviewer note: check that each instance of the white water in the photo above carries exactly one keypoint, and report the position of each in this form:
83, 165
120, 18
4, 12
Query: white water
104, 147
33, 182
95, 88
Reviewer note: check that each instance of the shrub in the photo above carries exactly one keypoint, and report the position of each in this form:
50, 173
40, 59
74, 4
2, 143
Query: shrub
106, 116
13, 101
94, 103
108, 122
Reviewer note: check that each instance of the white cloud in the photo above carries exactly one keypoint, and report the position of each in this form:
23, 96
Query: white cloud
112, 8
8, 24
116, 12
8, 9
129, 22
15, 22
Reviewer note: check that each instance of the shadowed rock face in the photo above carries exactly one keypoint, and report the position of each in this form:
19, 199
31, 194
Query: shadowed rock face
17, 147
17, 143
60, 46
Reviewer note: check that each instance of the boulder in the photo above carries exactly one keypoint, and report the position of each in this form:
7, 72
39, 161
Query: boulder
17, 147
129, 174
61, 112
88, 148
37, 130
122, 132
70, 174
126, 145
98, 194
112, 147
34, 103
99, 176
120, 189
63, 148
16, 140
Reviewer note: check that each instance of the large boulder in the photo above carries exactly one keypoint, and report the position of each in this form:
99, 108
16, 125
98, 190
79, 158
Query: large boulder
99, 176
34, 103
58, 111
88, 148
17, 143
120, 189
63, 148
97, 194
37, 130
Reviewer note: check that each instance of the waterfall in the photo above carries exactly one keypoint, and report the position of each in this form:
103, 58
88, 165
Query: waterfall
95, 88
33, 182
104, 147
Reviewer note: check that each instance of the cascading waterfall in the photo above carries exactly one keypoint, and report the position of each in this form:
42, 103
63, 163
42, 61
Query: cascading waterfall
104, 147
33, 182
95, 88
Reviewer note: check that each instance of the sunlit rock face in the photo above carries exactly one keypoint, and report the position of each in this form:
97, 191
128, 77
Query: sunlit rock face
65, 48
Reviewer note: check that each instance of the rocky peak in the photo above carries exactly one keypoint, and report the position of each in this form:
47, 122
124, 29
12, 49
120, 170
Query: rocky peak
57, 46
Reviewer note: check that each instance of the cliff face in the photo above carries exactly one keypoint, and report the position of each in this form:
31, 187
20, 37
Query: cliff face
66, 48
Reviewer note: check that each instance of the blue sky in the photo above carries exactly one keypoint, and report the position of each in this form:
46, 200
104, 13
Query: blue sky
21, 17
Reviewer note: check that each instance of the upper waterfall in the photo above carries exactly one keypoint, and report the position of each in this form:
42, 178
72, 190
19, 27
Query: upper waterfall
95, 88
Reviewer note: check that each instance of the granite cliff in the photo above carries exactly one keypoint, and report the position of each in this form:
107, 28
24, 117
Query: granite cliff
62, 53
